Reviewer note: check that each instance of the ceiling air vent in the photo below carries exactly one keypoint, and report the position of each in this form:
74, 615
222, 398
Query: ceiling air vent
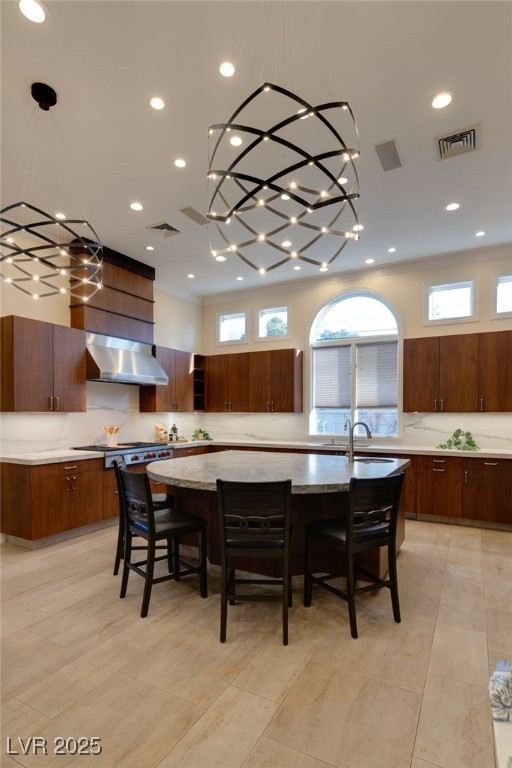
457, 143
387, 153
194, 215
164, 227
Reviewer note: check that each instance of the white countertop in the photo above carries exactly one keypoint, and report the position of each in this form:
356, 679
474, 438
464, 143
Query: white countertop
66, 454
309, 473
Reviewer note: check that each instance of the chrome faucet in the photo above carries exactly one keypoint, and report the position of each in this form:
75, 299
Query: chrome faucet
351, 428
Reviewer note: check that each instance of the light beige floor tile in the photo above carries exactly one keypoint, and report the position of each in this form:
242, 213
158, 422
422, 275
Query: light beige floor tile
499, 629
465, 556
270, 754
18, 719
137, 725
58, 691
327, 715
225, 735
455, 727
28, 659
16, 615
462, 609
9, 762
498, 595
464, 578
395, 654
498, 568
417, 763
460, 654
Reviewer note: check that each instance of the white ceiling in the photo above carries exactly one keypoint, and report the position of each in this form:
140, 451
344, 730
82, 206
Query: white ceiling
106, 59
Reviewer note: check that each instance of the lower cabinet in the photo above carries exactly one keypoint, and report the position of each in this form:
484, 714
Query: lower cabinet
487, 490
46, 499
191, 450
439, 486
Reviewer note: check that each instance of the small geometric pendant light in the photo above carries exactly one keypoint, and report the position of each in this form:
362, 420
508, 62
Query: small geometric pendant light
43, 255
287, 191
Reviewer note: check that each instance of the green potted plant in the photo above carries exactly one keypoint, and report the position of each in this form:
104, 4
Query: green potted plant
201, 434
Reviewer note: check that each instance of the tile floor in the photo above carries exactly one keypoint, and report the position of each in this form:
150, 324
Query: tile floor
162, 691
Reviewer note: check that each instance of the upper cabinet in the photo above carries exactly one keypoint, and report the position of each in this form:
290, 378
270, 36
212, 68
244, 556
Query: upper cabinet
276, 381
461, 373
227, 382
255, 381
178, 394
43, 366
495, 371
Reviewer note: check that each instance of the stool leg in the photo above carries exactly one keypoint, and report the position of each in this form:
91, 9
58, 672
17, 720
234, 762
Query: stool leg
350, 595
120, 545
394, 583
148, 582
223, 601
308, 584
177, 574
203, 575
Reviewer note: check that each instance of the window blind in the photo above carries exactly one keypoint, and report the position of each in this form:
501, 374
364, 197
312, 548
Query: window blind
376, 379
331, 379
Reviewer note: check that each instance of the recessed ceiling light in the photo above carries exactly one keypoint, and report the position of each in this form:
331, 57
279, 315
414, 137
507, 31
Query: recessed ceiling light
149, 248
441, 100
391, 250
32, 10
286, 243
227, 69
136, 207
452, 207
369, 261
180, 163
235, 141
157, 103
60, 216
239, 278
191, 275
357, 227
480, 233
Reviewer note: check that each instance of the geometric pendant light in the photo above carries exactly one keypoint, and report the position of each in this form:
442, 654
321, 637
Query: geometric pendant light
283, 181
43, 255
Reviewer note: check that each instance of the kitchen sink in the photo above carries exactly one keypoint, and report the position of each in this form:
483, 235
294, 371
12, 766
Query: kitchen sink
372, 460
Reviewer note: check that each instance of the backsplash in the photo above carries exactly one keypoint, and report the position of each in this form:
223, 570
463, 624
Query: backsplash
119, 404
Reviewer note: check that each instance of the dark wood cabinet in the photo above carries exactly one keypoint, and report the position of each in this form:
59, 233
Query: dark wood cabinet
191, 450
178, 394
275, 381
43, 366
439, 486
487, 490
441, 374
46, 499
495, 371
462, 373
227, 382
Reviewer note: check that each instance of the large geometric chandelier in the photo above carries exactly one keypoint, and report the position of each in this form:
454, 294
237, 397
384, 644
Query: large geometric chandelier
289, 191
45, 255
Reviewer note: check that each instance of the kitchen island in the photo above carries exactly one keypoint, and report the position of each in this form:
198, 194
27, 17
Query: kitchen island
319, 486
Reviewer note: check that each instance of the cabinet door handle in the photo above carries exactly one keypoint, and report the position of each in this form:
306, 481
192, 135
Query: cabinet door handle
66, 489
442, 405
435, 404
273, 409
466, 476
268, 405
491, 463
481, 403
73, 487
434, 469
50, 403
57, 404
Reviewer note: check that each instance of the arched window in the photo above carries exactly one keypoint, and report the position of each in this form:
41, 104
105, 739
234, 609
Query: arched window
354, 353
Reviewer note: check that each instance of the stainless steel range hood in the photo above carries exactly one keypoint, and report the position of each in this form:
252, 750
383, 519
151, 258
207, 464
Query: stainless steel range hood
122, 361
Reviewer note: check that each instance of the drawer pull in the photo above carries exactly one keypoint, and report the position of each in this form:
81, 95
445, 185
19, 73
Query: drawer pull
69, 468
434, 469
439, 461
491, 463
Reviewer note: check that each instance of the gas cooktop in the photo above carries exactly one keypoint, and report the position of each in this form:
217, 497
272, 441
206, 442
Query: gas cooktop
133, 452
118, 447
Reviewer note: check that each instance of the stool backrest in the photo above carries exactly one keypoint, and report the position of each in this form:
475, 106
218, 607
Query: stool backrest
255, 513
136, 499
373, 509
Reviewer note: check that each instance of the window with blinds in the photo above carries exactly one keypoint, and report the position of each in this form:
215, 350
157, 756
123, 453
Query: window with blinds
355, 377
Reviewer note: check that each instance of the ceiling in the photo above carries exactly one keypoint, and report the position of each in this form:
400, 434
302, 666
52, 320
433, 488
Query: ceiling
107, 59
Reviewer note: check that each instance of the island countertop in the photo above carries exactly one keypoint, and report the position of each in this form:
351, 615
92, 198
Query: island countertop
309, 473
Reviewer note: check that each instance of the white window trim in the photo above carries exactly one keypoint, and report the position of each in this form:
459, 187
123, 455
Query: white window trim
229, 342
473, 317
494, 314
257, 323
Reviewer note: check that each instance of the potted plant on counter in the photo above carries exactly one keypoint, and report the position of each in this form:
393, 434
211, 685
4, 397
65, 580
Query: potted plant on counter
201, 434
